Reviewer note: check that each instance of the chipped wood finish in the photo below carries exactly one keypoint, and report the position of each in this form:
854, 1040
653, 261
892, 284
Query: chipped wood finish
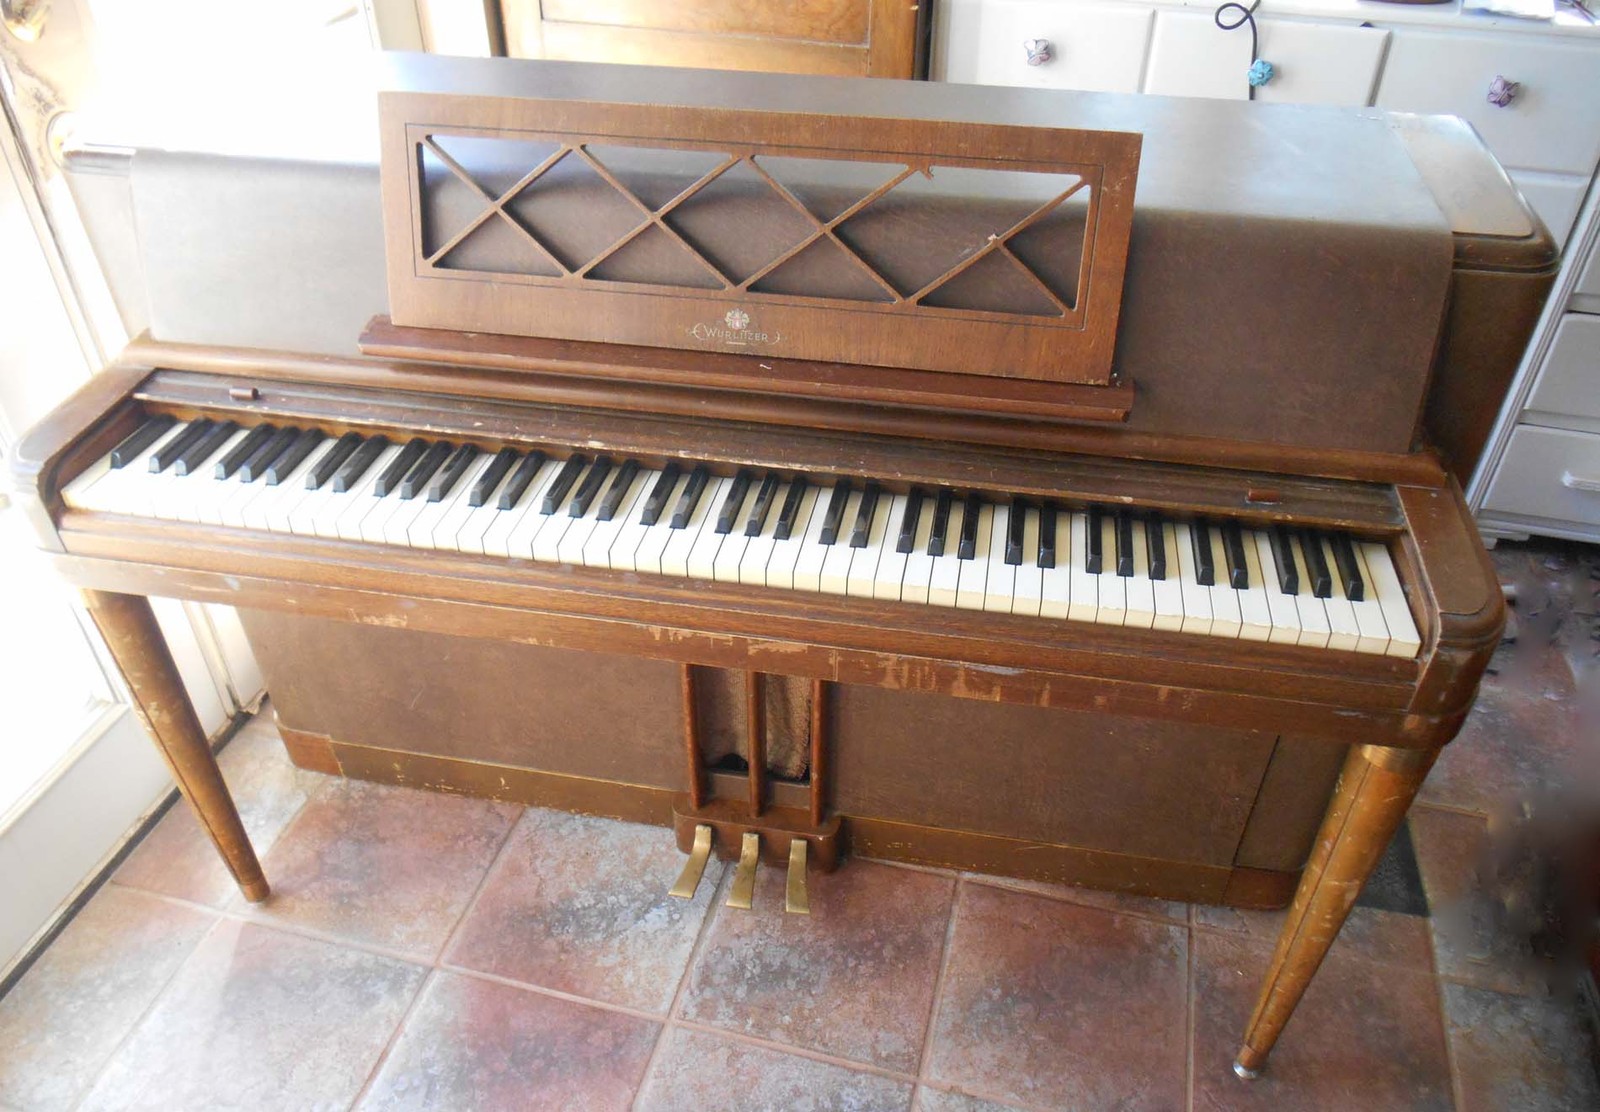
1375, 790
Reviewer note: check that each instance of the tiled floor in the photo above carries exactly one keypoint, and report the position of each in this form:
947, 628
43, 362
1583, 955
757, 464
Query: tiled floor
430, 952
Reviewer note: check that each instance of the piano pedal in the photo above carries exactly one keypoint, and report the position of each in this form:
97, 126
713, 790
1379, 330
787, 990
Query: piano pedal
744, 877
795, 899
695, 867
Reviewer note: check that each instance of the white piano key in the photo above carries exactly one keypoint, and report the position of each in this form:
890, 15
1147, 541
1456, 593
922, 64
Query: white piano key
786, 552
597, 549
397, 530
945, 581
1369, 611
1113, 603
117, 490
918, 574
835, 574
1168, 592
354, 504
420, 533
758, 549
701, 562
1226, 620
1313, 615
890, 568
866, 562
210, 493
1285, 616
1343, 631
1382, 579
545, 546
258, 512
1139, 588
972, 579
1083, 585
1255, 601
571, 546
380, 508
76, 494
532, 520
1027, 593
1000, 588
452, 521
1196, 597
680, 548
808, 561
730, 553
487, 530
653, 538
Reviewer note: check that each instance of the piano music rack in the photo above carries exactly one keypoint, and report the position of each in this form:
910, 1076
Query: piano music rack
995, 254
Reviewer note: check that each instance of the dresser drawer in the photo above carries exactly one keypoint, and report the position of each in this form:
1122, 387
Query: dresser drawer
1589, 281
1093, 47
1553, 123
1190, 56
1549, 473
1569, 382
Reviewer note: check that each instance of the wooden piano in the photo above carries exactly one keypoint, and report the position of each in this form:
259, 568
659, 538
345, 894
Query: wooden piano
1045, 484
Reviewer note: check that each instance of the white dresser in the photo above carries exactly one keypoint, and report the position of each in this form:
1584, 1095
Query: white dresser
1541, 472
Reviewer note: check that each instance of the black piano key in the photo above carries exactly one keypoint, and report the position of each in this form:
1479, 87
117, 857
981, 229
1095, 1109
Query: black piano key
834, 517
521, 476
168, 454
1233, 550
204, 448
656, 504
1124, 538
941, 523
762, 506
862, 529
590, 488
791, 508
266, 455
399, 467
1016, 524
967, 546
1283, 557
305, 442
1205, 568
907, 538
1094, 557
416, 480
690, 498
556, 492
728, 512
332, 463
143, 436
243, 450
612, 502
452, 472
1155, 544
483, 487
1047, 534
1316, 564
1344, 555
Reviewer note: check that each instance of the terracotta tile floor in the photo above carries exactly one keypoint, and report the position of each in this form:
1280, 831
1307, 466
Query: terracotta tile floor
430, 952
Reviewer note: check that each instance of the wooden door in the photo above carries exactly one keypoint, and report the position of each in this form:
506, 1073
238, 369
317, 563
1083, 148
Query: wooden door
855, 38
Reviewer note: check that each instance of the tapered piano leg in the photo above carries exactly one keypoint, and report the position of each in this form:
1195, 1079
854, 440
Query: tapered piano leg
130, 630
1375, 788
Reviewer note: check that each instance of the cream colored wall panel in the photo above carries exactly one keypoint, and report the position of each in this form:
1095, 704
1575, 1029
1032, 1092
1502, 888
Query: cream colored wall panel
1093, 47
1313, 63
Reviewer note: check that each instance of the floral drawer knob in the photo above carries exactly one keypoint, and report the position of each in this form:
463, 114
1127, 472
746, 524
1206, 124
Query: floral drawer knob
1503, 92
1039, 51
1261, 71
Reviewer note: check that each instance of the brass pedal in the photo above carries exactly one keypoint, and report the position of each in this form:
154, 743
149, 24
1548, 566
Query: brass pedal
795, 900
744, 877
695, 867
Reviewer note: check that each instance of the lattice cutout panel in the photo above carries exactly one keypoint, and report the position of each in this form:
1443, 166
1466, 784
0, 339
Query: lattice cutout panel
853, 240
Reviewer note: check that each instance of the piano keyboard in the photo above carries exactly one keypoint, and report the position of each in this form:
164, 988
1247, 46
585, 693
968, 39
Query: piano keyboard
939, 547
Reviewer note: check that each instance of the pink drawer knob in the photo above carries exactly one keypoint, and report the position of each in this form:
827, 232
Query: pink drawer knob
1039, 51
1503, 92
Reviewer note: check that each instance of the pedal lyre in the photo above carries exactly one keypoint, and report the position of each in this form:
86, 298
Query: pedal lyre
744, 877
795, 899
695, 867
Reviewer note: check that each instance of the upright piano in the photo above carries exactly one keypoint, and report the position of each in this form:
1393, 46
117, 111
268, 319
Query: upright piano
1047, 484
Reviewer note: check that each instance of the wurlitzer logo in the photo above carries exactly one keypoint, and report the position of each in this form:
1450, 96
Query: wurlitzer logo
734, 331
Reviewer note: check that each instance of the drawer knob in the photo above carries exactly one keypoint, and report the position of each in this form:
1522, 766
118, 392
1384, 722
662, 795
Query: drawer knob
1503, 92
1039, 51
1578, 482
